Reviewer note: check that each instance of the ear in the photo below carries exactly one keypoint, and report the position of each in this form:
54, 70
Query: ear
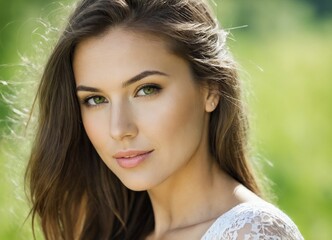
212, 98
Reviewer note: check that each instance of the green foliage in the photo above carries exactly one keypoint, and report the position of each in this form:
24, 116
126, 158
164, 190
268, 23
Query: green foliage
290, 79
285, 63
285, 59
323, 7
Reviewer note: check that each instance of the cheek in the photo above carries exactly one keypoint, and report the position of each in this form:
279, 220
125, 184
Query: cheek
95, 127
176, 119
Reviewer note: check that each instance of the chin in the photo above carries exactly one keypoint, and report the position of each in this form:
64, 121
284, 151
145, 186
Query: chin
138, 185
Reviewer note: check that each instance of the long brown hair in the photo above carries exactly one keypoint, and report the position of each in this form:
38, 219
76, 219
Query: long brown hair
72, 191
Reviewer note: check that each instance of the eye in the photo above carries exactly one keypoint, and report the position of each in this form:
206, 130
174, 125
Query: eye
148, 90
95, 100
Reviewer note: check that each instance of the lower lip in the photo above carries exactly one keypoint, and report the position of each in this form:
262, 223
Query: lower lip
133, 161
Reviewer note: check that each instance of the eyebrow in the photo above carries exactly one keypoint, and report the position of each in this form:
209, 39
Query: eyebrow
126, 83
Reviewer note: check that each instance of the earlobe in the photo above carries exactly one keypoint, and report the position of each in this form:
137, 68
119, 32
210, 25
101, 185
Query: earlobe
212, 101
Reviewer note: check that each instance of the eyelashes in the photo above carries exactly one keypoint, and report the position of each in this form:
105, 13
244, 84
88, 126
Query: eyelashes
146, 90
93, 101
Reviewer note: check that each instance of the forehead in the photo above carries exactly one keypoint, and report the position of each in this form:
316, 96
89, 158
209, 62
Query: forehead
123, 53
125, 38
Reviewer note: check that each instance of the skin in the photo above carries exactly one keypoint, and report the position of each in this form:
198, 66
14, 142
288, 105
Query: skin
164, 111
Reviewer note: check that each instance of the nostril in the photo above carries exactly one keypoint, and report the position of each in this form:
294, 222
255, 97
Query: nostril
122, 127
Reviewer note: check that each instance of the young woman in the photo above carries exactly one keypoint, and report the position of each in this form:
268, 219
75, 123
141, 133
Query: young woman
141, 131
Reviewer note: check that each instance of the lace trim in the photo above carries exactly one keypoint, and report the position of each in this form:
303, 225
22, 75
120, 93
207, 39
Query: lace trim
253, 221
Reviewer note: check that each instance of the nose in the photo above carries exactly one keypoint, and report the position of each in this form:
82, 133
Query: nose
122, 123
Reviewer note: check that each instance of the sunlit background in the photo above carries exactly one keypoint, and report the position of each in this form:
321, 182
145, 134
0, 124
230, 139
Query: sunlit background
284, 51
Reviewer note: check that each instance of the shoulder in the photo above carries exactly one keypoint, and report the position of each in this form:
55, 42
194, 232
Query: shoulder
253, 220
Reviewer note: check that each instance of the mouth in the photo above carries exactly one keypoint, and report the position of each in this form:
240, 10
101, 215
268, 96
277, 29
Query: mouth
131, 159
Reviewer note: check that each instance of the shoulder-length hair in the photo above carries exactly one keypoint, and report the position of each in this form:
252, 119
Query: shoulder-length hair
72, 191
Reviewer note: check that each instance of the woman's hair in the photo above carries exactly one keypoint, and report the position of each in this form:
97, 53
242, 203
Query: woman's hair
72, 191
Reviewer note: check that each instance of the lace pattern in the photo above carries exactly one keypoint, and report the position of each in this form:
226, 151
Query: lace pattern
253, 221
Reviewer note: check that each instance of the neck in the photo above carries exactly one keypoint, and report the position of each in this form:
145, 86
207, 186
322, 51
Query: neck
198, 192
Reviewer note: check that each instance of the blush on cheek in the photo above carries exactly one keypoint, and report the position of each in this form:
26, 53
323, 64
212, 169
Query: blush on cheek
95, 130
178, 118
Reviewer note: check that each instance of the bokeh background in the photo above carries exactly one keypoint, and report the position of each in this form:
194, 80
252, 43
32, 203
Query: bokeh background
284, 51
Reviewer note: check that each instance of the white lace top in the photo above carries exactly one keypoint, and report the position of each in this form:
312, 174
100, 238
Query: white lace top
253, 221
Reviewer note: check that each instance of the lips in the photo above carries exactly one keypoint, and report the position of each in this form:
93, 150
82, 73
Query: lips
130, 159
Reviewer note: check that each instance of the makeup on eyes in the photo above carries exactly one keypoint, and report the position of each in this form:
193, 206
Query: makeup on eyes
97, 100
156, 88
138, 77
144, 90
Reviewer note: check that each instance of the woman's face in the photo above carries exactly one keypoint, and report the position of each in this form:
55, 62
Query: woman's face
141, 109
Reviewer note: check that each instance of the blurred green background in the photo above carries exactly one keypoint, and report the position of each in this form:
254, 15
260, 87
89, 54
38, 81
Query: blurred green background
284, 49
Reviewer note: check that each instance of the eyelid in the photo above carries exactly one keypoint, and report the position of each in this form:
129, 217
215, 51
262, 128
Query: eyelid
85, 100
153, 85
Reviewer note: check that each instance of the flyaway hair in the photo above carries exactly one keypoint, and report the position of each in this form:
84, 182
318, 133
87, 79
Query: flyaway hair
73, 193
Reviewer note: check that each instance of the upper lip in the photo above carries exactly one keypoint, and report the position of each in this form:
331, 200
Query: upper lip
130, 153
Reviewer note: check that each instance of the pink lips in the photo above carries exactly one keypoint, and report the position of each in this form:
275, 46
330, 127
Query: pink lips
130, 159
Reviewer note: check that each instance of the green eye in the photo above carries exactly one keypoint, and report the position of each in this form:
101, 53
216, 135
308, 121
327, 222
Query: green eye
148, 90
96, 100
